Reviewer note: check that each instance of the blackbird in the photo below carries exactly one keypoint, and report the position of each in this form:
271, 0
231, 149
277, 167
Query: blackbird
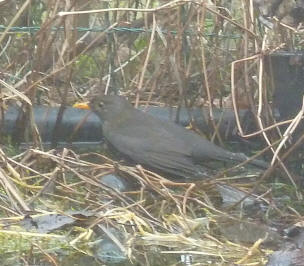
159, 145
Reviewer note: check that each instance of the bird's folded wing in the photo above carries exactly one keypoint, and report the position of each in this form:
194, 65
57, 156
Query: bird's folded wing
167, 155
174, 164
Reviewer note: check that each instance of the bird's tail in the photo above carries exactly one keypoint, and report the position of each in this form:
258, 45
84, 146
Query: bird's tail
254, 162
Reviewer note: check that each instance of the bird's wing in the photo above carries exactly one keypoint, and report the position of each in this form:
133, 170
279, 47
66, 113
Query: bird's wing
172, 163
158, 149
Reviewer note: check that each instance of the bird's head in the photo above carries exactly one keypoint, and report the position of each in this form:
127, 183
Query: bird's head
107, 106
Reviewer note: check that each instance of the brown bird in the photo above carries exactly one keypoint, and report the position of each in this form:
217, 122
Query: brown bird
156, 144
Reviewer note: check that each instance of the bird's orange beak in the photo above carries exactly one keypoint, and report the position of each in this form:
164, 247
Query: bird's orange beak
84, 105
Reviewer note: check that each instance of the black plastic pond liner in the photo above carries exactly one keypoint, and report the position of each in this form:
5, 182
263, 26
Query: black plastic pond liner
286, 69
82, 127
76, 126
